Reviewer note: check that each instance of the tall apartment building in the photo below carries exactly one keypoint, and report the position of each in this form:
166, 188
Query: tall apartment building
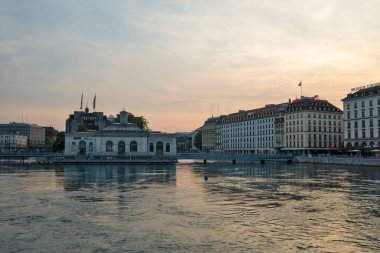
252, 131
362, 118
209, 134
34, 133
312, 125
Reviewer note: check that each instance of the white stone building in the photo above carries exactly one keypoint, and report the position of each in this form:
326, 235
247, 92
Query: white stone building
210, 140
362, 118
120, 139
13, 142
251, 132
312, 125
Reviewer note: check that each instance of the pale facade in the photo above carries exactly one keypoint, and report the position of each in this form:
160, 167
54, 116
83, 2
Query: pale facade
251, 132
362, 118
210, 137
35, 133
312, 125
120, 139
13, 142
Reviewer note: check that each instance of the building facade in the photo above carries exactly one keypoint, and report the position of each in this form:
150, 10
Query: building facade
34, 133
312, 125
362, 118
120, 139
91, 120
210, 135
252, 131
184, 141
50, 136
13, 142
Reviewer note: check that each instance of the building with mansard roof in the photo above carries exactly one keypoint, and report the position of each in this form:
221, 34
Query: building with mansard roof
120, 139
253, 131
362, 118
312, 125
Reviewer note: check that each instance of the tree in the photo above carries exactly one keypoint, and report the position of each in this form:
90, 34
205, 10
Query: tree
82, 128
59, 144
141, 122
198, 140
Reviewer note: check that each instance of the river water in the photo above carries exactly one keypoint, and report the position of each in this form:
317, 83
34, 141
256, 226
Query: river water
190, 207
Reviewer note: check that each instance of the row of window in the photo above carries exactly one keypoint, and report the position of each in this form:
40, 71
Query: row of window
363, 134
363, 104
363, 124
363, 114
133, 147
313, 115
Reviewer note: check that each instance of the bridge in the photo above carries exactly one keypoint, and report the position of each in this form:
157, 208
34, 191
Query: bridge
180, 156
235, 157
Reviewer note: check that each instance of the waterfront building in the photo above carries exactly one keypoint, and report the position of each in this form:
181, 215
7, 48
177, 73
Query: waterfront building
209, 135
252, 131
312, 125
362, 118
184, 141
193, 138
120, 139
34, 133
91, 120
50, 136
13, 142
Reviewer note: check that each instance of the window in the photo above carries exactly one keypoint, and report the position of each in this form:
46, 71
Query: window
109, 146
121, 147
167, 147
73, 147
133, 146
151, 147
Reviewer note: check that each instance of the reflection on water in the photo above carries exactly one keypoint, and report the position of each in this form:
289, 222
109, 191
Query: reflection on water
190, 208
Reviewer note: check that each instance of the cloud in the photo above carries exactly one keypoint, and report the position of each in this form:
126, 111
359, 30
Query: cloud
178, 59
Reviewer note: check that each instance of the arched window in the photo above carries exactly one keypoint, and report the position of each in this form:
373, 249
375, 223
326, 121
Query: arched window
91, 146
167, 147
151, 147
133, 146
371, 144
82, 147
73, 146
349, 145
109, 146
121, 147
356, 145
159, 148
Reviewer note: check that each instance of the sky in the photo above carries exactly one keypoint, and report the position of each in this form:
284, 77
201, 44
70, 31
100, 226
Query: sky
178, 62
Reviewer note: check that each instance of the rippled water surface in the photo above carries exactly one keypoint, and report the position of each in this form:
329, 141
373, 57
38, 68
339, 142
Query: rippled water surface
190, 208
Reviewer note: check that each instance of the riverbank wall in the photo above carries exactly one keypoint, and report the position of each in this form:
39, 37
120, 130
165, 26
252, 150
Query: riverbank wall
339, 160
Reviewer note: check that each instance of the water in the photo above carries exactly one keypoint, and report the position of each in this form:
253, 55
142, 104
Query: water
190, 208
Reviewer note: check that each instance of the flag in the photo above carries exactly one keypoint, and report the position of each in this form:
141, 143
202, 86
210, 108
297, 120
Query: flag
81, 102
94, 103
300, 84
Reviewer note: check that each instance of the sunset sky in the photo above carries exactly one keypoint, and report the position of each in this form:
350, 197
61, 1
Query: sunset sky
175, 61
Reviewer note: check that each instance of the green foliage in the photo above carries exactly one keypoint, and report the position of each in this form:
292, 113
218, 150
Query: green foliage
82, 128
59, 144
198, 140
141, 122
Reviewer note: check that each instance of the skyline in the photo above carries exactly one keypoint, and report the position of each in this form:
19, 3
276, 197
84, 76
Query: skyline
176, 62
